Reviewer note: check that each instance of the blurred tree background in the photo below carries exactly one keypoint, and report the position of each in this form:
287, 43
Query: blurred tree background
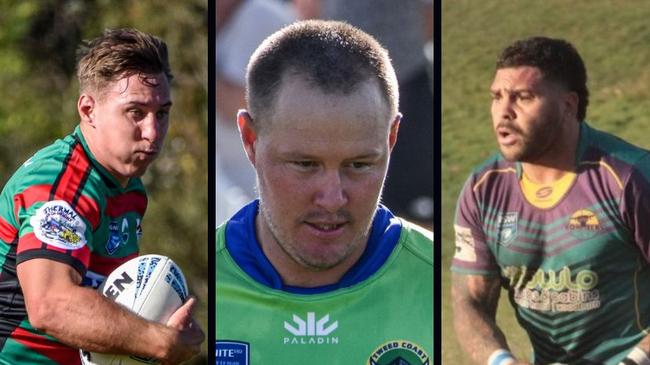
38, 41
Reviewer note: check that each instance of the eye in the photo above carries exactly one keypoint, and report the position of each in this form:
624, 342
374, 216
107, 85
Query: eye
303, 165
495, 96
525, 96
162, 114
360, 165
136, 114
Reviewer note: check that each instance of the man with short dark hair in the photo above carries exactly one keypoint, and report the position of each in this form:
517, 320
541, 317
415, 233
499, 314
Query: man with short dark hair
317, 271
72, 213
557, 218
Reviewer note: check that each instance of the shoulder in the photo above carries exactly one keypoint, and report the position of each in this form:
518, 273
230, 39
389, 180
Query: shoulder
620, 158
417, 241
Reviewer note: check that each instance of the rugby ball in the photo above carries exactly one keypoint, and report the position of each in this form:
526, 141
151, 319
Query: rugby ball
151, 286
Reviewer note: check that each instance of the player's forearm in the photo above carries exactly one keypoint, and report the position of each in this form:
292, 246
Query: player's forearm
478, 334
82, 318
475, 301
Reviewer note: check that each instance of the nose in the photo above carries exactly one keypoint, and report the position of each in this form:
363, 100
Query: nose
331, 194
502, 109
151, 128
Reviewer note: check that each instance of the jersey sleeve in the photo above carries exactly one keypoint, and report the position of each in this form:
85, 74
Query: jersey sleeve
55, 218
472, 254
635, 206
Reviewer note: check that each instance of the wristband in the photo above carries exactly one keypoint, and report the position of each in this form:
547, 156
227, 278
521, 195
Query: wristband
636, 357
501, 357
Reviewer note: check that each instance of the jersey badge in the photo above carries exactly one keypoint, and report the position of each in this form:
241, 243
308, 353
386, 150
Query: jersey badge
57, 224
399, 352
465, 250
506, 225
584, 224
232, 352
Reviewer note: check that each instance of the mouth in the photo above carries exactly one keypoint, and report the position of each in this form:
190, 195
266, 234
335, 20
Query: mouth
326, 229
506, 136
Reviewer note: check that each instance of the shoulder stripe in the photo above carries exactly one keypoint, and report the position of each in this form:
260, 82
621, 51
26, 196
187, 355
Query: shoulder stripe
85, 206
55, 351
488, 172
608, 168
8, 233
73, 176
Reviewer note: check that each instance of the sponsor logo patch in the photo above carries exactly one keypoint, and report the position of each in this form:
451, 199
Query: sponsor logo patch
507, 227
57, 224
232, 352
584, 224
310, 331
399, 352
465, 250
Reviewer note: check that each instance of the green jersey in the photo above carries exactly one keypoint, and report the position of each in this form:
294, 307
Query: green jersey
61, 205
573, 255
381, 312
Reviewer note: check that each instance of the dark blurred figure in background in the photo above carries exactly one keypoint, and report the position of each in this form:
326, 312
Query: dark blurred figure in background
241, 27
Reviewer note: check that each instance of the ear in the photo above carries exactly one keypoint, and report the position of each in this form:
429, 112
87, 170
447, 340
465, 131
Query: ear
247, 133
86, 108
571, 100
394, 128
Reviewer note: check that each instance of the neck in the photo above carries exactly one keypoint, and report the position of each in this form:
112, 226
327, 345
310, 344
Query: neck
559, 159
89, 137
294, 273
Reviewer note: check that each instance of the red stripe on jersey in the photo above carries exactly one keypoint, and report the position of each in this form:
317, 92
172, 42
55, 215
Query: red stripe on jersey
86, 207
29, 241
105, 265
8, 233
127, 202
55, 351
70, 179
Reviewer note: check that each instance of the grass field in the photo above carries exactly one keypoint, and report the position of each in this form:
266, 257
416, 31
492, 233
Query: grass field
613, 38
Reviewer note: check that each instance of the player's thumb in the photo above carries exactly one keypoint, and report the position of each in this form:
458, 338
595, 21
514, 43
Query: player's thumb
183, 315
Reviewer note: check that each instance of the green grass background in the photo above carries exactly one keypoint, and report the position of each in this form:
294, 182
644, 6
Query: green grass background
613, 38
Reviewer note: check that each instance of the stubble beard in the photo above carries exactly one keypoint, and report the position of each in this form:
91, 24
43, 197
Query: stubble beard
536, 142
292, 250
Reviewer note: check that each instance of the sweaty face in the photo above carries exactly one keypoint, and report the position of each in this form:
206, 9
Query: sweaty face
321, 160
130, 119
526, 113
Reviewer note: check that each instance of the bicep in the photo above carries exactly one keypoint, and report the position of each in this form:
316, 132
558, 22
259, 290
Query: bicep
41, 277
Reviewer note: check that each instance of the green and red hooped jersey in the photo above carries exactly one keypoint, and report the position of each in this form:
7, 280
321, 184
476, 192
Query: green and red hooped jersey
576, 272
380, 313
61, 205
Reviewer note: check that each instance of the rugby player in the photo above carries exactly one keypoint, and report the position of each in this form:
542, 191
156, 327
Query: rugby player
557, 219
73, 212
316, 271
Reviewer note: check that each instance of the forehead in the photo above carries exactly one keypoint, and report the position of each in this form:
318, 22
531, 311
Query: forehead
306, 116
514, 78
140, 88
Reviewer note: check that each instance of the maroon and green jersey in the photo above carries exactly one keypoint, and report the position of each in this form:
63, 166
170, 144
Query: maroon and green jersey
61, 205
575, 267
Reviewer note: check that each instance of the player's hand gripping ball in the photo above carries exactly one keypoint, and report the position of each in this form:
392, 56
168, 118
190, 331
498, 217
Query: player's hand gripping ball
151, 286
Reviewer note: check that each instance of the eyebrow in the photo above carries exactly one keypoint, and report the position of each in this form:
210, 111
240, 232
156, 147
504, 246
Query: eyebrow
138, 103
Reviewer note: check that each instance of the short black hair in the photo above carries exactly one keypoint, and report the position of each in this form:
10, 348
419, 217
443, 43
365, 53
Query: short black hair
557, 59
333, 56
